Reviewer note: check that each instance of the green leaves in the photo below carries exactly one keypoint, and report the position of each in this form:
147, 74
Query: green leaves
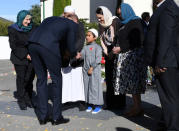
36, 16
3, 26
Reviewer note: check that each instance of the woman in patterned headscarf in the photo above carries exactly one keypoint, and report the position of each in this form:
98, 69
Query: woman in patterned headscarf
18, 35
108, 26
131, 70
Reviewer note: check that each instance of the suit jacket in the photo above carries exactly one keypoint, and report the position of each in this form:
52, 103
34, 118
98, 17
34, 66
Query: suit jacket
162, 43
79, 45
56, 33
17, 41
145, 27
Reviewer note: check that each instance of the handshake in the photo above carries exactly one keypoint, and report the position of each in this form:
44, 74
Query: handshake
78, 56
90, 70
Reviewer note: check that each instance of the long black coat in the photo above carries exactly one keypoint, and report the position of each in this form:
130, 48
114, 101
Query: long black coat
162, 41
17, 41
130, 35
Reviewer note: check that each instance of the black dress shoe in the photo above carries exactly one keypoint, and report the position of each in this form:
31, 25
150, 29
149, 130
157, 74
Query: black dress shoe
22, 105
60, 121
29, 104
161, 126
82, 107
43, 122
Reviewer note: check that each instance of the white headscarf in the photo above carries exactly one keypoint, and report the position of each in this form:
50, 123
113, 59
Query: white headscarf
108, 18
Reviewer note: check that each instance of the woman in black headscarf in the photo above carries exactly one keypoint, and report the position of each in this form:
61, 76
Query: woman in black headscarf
18, 36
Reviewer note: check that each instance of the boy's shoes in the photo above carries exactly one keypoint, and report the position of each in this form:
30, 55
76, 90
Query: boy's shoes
96, 110
89, 109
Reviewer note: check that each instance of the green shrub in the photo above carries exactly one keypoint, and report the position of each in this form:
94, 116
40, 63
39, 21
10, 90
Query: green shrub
88, 25
36, 14
58, 6
3, 28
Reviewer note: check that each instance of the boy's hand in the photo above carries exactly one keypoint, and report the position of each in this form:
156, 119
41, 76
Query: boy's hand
90, 71
78, 56
28, 57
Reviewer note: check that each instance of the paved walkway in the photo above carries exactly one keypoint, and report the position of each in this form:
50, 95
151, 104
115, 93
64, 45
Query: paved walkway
13, 119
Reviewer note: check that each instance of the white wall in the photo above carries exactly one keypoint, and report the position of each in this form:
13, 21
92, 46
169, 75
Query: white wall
48, 8
140, 6
4, 48
82, 8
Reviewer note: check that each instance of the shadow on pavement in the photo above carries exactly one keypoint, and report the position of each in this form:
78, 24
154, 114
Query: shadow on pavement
122, 129
152, 115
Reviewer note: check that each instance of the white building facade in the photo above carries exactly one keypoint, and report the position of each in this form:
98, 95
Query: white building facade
5, 50
86, 8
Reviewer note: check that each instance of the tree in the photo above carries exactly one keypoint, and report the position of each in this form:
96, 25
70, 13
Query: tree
36, 14
3, 26
58, 6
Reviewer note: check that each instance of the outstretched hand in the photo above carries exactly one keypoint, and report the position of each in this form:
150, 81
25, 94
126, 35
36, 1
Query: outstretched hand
116, 50
78, 56
159, 70
28, 57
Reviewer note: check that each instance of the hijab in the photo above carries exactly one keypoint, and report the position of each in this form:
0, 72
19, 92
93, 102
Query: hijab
20, 17
127, 13
108, 18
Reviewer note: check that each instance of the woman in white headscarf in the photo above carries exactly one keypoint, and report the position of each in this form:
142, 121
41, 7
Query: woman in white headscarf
108, 26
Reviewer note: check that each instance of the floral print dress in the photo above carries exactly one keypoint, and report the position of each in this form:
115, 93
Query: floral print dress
130, 72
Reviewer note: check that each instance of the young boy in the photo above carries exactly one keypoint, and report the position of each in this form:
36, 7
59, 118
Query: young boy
92, 54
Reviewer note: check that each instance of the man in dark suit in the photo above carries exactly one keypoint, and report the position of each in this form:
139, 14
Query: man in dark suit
44, 47
162, 52
145, 21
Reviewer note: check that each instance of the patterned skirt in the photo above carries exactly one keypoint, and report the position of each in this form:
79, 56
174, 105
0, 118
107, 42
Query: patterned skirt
130, 73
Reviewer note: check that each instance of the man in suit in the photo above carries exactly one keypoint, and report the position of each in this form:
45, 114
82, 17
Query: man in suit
145, 21
162, 52
44, 47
